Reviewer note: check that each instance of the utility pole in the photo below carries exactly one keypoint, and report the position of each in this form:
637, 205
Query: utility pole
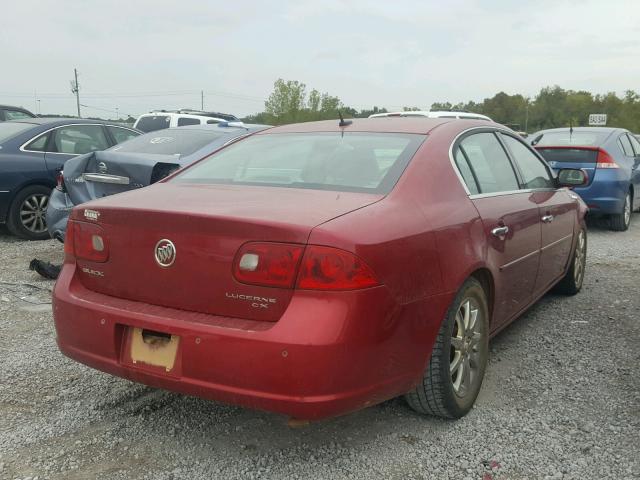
526, 117
202, 100
75, 88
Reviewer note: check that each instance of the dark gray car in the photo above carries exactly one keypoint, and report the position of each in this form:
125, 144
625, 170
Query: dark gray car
134, 164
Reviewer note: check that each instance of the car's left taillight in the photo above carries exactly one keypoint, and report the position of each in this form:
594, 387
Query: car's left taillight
60, 182
86, 241
284, 265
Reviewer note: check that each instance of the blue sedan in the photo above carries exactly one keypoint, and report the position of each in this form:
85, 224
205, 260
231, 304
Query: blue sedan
135, 164
611, 159
32, 152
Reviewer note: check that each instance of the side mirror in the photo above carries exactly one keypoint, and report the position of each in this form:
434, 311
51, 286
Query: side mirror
572, 177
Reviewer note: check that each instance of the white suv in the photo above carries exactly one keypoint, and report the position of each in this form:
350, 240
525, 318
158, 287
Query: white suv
422, 113
157, 120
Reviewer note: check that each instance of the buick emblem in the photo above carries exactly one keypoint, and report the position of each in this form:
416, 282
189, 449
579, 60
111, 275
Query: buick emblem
102, 167
165, 253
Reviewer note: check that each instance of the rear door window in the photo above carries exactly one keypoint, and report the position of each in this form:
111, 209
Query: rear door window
489, 163
153, 122
184, 121
38, 144
534, 172
120, 134
625, 144
635, 144
466, 173
16, 115
79, 139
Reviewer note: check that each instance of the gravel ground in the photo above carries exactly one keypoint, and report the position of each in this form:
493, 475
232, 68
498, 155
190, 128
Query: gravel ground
560, 401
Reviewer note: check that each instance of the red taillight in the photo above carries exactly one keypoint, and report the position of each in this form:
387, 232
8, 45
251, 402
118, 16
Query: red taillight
86, 241
605, 160
69, 237
327, 268
268, 264
321, 268
60, 182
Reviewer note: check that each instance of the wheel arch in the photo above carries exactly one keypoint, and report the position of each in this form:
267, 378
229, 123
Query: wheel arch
485, 277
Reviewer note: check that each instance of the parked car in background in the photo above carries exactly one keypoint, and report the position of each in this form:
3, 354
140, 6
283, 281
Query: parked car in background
32, 152
610, 156
319, 268
160, 119
434, 114
134, 164
7, 112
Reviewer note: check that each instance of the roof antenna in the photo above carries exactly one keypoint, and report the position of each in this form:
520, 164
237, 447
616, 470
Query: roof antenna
570, 129
343, 122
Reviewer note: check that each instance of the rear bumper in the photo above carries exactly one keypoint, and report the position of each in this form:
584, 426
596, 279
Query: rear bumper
606, 193
58, 211
327, 355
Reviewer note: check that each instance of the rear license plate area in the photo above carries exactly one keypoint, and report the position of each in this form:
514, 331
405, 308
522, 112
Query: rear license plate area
152, 350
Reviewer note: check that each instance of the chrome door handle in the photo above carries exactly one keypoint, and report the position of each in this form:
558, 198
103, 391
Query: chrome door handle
500, 231
547, 218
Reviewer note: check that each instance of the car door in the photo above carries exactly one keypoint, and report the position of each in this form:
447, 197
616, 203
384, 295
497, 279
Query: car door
71, 140
557, 209
510, 217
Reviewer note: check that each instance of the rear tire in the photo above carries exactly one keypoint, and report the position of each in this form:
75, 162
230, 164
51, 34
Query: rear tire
453, 377
27, 213
571, 283
620, 221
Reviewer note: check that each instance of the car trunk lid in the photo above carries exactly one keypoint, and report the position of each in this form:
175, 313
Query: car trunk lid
207, 224
100, 174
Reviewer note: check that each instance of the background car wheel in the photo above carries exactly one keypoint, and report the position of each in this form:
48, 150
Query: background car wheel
27, 213
572, 281
620, 221
452, 380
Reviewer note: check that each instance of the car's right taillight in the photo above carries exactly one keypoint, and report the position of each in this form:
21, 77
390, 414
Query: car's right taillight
86, 241
328, 268
60, 182
605, 160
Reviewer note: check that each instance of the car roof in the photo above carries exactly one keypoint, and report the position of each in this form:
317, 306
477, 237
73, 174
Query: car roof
416, 124
581, 129
53, 121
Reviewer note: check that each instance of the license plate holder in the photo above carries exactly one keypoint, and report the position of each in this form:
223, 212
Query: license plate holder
152, 349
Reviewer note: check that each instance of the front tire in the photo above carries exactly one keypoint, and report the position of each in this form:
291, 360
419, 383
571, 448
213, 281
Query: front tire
620, 221
27, 213
453, 377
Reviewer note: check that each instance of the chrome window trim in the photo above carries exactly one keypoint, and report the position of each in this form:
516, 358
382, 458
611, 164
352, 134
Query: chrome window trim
492, 194
23, 148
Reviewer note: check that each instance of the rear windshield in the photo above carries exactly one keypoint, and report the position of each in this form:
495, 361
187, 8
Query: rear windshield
9, 129
153, 122
360, 162
565, 137
568, 155
174, 141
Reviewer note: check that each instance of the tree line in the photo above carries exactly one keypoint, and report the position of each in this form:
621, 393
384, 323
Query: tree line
552, 107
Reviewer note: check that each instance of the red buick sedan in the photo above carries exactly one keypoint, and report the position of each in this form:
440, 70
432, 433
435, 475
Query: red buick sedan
319, 268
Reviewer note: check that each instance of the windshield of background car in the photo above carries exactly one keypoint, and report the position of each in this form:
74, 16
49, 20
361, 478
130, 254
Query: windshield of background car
153, 122
9, 130
565, 137
182, 141
357, 162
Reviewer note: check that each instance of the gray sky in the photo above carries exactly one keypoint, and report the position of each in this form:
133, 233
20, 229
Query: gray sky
139, 54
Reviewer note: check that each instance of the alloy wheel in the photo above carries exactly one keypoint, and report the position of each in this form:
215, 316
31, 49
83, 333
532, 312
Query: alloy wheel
465, 347
32, 212
580, 258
